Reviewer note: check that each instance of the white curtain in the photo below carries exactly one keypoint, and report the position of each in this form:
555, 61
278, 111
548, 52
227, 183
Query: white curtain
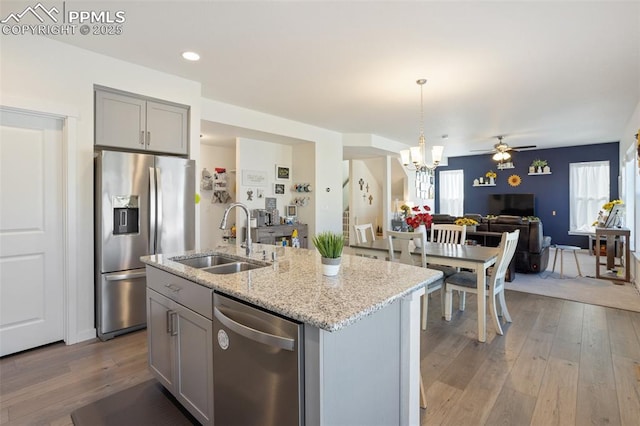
451, 192
588, 191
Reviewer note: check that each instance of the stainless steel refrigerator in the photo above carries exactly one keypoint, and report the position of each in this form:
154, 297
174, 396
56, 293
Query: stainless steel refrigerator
144, 204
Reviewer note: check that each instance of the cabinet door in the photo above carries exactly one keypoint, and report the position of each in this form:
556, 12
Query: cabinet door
120, 121
160, 322
166, 128
194, 351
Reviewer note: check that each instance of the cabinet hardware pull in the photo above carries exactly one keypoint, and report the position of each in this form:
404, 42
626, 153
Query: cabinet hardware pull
173, 288
174, 328
169, 322
141, 137
148, 138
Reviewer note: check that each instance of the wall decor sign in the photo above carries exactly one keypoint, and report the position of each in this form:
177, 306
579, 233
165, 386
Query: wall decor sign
254, 178
283, 172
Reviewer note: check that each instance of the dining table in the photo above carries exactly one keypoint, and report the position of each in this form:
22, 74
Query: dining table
475, 258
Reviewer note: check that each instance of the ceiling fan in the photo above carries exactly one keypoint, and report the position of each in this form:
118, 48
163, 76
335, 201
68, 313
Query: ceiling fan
501, 149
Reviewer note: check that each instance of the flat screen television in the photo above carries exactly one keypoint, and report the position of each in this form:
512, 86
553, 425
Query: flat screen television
512, 204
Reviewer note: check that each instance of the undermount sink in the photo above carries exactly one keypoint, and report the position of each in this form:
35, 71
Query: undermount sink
232, 268
220, 264
206, 261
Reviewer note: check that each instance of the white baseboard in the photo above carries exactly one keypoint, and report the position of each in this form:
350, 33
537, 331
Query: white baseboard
82, 336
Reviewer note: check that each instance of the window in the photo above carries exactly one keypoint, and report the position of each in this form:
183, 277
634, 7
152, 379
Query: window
588, 191
451, 192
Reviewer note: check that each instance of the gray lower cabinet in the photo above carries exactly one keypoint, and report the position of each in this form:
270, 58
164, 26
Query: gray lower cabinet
180, 341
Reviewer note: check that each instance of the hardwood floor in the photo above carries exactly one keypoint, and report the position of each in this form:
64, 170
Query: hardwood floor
559, 362
43, 386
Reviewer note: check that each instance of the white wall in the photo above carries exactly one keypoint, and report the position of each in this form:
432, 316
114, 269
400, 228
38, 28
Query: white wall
262, 156
627, 142
327, 155
43, 74
304, 171
370, 171
211, 213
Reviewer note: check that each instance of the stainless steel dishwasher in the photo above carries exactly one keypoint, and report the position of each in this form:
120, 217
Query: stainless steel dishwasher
258, 374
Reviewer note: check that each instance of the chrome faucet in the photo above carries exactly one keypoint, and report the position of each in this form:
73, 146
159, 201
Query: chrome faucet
223, 224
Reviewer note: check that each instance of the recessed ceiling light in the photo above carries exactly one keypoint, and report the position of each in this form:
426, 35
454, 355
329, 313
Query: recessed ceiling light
191, 56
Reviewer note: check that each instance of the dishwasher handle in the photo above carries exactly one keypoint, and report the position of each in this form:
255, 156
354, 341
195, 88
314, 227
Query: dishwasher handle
253, 334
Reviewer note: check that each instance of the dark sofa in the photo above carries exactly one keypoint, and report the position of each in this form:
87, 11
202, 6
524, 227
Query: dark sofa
532, 252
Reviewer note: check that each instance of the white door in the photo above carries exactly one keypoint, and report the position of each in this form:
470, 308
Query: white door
31, 231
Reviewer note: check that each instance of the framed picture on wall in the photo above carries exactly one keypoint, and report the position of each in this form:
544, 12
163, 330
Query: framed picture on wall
278, 188
283, 172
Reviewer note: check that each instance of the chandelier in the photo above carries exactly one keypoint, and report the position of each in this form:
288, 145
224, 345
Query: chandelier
414, 158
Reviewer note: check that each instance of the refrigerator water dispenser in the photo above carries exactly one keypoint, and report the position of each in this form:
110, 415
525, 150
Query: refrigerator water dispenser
126, 215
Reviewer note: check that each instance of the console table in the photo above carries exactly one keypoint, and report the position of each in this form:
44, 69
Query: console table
274, 234
610, 234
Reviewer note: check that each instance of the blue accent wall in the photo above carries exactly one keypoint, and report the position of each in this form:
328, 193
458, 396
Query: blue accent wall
551, 191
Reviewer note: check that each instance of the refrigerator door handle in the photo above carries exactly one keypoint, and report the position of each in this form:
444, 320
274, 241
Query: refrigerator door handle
152, 210
122, 277
158, 212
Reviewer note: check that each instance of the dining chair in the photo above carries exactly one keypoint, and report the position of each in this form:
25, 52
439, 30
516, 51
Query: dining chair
447, 234
465, 281
361, 232
402, 240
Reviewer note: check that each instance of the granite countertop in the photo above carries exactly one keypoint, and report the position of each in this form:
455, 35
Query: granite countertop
294, 286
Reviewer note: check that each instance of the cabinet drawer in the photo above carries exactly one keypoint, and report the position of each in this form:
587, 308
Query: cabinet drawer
194, 296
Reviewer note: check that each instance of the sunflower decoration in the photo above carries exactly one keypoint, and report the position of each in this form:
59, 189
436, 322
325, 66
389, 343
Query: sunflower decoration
514, 180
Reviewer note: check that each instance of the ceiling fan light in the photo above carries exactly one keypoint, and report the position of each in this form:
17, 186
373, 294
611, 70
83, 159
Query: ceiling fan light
497, 156
506, 155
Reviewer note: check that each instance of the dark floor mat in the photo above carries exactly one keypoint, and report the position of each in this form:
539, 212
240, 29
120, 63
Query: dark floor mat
147, 403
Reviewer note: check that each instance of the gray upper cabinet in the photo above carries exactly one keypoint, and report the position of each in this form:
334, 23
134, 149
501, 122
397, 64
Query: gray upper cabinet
130, 122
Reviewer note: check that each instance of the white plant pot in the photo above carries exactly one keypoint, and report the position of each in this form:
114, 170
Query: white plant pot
330, 266
532, 169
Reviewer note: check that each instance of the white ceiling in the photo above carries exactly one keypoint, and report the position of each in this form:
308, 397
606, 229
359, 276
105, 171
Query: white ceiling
541, 73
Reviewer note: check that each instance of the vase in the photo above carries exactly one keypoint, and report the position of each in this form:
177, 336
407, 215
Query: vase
418, 241
546, 169
471, 228
532, 169
539, 169
331, 266
492, 181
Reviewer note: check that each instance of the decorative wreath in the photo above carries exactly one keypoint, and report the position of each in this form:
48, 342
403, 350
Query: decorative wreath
514, 180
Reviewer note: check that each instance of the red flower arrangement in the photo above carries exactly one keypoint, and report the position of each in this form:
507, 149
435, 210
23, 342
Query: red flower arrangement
420, 218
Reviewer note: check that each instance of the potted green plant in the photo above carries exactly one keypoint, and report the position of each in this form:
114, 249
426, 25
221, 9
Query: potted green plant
329, 245
538, 164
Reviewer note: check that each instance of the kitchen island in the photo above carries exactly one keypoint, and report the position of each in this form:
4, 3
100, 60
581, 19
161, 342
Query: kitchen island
360, 340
